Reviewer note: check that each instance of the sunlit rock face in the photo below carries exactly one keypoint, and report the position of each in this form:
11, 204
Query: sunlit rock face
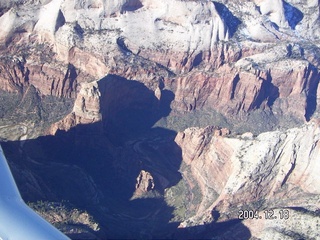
206, 106
228, 57
144, 183
272, 170
274, 10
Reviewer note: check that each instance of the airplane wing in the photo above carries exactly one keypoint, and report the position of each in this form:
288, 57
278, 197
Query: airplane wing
17, 220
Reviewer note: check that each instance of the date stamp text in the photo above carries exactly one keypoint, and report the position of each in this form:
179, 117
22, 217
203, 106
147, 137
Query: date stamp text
268, 214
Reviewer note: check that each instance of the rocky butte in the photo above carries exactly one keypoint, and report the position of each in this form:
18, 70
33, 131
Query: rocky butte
164, 119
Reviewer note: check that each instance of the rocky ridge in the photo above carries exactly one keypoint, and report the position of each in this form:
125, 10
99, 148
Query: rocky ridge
268, 171
236, 73
92, 75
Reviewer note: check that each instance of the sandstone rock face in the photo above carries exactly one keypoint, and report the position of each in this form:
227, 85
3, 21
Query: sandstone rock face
88, 101
50, 19
238, 80
241, 173
86, 109
198, 50
144, 183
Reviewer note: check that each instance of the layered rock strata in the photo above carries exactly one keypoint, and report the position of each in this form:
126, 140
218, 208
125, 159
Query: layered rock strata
200, 52
100, 74
275, 170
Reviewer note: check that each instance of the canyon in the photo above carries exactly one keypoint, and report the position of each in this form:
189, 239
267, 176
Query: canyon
164, 119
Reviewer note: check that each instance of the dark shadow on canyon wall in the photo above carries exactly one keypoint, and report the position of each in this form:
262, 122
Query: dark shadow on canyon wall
269, 93
131, 6
292, 14
230, 20
311, 94
311, 104
230, 229
129, 108
94, 167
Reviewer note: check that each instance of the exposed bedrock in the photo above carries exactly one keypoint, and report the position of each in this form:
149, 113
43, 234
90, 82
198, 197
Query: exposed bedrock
282, 87
118, 165
164, 118
204, 53
286, 90
274, 10
275, 85
246, 172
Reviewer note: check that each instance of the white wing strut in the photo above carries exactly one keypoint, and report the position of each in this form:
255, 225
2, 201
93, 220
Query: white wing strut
17, 220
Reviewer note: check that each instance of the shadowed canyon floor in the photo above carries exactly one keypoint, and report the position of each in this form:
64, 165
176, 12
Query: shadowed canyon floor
95, 167
150, 182
145, 119
94, 175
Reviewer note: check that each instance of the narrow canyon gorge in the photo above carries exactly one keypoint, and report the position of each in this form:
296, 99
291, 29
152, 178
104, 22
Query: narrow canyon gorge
181, 119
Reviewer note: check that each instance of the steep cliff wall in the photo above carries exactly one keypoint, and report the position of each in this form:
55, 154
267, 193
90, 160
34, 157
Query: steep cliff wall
273, 170
209, 54
98, 75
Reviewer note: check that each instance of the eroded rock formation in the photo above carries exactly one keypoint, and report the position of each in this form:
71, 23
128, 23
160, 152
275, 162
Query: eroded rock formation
144, 183
263, 172
238, 80
200, 53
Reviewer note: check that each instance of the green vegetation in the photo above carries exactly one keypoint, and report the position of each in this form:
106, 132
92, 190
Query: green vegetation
65, 217
197, 118
176, 197
26, 109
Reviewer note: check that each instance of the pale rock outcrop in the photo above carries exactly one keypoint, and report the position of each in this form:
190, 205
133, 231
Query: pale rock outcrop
88, 4
86, 13
92, 13
274, 10
313, 3
7, 21
310, 21
258, 32
157, 93
191, 27
50, 19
